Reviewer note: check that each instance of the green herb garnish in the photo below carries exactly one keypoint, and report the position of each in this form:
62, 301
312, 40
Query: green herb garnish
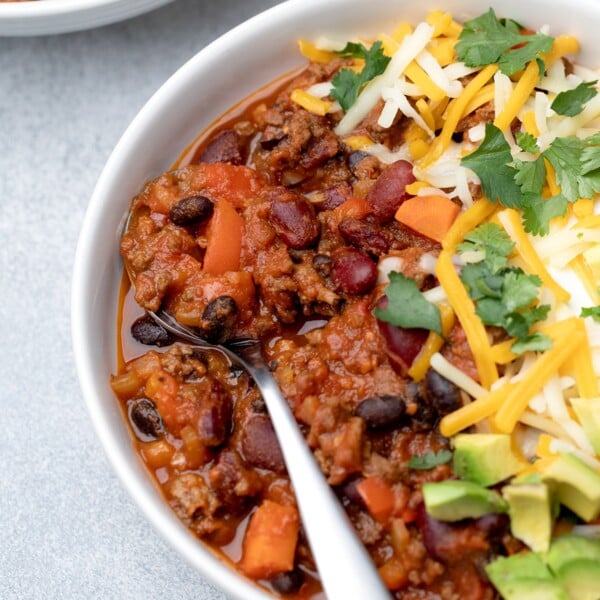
519, 184
430, 460
487, 40
504, 296
407, 307
591, 311
570, 103
347, 83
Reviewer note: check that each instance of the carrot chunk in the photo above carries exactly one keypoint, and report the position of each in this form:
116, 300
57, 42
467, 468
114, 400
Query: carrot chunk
378, 497
431, 216
270, 542
223, 240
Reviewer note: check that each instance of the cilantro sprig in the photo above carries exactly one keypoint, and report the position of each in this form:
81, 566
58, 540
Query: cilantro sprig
347, 84
486, 40
571, 102
429, 460
504, 296
407, 307
591, 311
520, 184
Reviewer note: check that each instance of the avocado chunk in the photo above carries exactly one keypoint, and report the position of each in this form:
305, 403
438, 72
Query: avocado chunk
453, 500
575, 562
530, 511
588, 413
575, 484
524, 577
485, 458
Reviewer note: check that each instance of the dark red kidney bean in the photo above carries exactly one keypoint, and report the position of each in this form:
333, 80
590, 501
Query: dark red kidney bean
143, 415
191, 210
260, 446
226, 146
294, 220
441, 393
289, 582
381, 411
371, 238
403, 345
335, 196
214, 414
219, 318
147, 331
436, 535
352, 271
494, 525
389, 190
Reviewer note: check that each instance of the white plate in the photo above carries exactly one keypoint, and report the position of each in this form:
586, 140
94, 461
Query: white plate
42, 17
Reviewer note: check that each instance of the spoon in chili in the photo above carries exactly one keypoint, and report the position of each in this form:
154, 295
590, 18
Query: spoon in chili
345, 567
346, 570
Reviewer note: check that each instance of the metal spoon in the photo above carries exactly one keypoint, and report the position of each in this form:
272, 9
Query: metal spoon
346, 569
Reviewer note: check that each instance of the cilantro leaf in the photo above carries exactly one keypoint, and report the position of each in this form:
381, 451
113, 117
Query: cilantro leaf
591, 311
590, 156
538, 212
504, 296
491, 164
570, 103
492, 241
566, 157
530, 175
537, 342
347, 84
407, 307
527, 142
486, 40
519, 289
430, 459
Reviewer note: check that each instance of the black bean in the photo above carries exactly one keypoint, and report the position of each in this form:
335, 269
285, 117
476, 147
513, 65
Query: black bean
355, 157
441, 393
218, 318
289, 582
144, 416
381, 411
147, 331
191, 210
322, 264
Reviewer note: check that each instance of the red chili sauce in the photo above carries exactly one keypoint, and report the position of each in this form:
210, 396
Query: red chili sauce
270, 226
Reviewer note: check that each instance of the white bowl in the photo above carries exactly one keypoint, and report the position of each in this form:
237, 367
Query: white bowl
254, 53
43, 17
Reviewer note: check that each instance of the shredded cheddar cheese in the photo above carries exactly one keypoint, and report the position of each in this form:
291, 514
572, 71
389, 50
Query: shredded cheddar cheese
310, 103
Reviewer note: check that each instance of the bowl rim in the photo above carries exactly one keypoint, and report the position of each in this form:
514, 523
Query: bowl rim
213, 568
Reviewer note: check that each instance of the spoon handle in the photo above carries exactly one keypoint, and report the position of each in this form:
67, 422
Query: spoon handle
346, 569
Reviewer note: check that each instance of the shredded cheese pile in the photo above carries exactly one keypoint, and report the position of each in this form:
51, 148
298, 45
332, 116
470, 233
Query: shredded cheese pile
425, 82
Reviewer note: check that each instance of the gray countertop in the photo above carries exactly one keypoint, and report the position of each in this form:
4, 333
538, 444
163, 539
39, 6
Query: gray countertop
68, 529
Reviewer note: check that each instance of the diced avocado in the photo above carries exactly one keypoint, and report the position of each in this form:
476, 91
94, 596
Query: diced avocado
485, 458
524, 577
453, 500
575, 484
588, 413
530, 513
575, 562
